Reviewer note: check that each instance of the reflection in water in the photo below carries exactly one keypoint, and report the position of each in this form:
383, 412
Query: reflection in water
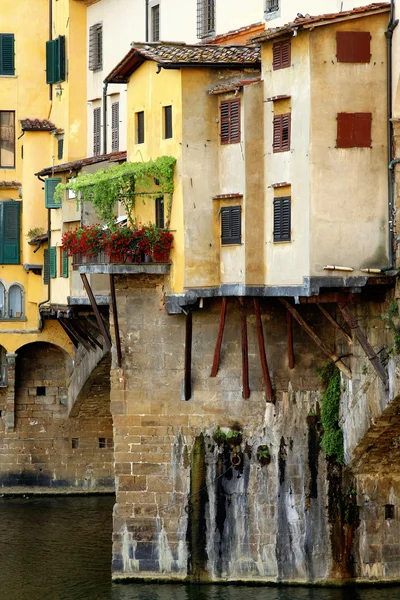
60, 549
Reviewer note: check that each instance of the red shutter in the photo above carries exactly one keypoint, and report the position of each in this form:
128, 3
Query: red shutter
345, 130
224, 112
353, 46
362, 130
344, 46
281, 54
362, 47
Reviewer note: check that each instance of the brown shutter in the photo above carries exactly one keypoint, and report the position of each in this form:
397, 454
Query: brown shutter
345, 130
96, 131
115, 127
362, 46
276, 56
277, 135
235, 121
224, 111
281, 54
353, 46
362, 130
286, 53
286, 122
230, 121
281, 133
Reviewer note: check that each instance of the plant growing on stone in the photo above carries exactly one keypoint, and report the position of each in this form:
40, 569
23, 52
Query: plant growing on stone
233, 437
332, 438
392, 318
263, 454
35, 232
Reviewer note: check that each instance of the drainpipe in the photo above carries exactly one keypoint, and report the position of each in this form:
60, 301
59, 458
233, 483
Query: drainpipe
391, 162
146, 33
105, 86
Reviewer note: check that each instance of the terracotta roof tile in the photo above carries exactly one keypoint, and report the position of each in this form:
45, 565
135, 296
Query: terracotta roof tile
9, 185
307, 20
37, 125
83, 162
171, 55
242, 34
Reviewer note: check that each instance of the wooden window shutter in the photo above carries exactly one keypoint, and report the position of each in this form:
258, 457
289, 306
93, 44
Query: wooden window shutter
281, 55
50, 185
231, 225
282, 219
64, 264
96, 47
160, 221
46, 267
60, 58
60, 148
96, 131
115, 127
353, 46
281, 132
7, 54
230, 121
10, 218
362, 130
345, 130
50, 62
55, 60
53, 261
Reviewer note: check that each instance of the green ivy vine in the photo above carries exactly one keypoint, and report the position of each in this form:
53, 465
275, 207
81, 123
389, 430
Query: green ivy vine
332, 438
123, 183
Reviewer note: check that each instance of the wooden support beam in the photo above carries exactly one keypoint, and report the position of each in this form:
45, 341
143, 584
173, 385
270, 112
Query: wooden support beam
188, 355
325, 349
245, 351
115, 318
69, 333
69, 327
96, 311
263, 356
83, 325
217, 353
335, 323
364, 343
289, 324
82, 332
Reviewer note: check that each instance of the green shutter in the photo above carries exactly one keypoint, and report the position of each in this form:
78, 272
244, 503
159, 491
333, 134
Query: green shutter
50, 62
61, 57
10, 233
6, 54
53, 262
46, 267
50, 185
55, 60
65, 264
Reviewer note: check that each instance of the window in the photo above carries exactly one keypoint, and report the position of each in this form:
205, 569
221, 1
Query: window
231, 225
10, 233
205, 18
282, 219
354, 130
230, 121
75, 443
46, 267
140, 127
272, 6
50, 185
167, 122
96, 47
160, 212
41, 390
3, 367
281, 141
389, 511
281, 54
102, 443
155, 23
115, 127
6, 54
353, 46
7, 139
55, 60
15, 302
96, 131
60, 148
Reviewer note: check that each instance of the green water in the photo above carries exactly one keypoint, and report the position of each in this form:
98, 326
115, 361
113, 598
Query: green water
60, 549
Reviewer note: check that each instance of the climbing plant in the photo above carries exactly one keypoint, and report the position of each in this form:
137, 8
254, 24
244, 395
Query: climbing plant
392, 318
122, 183
332, 438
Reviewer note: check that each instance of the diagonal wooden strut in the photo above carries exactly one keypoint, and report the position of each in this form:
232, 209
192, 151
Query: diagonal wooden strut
245, 351
335, 323
188, 355
263, 357
96, 311
290, 340
364, 343
115, 318
334, 358
217, 353
76, 333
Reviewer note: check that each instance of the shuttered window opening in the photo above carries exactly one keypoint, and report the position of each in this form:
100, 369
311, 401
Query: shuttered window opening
96, 47
205, 18
50, 185
282, 219
281, 54
354, 130
231, 225
140, 127
7, 139
7, 54
230, 121
167, 122
55, 60
64, 264
60, 148
281, 133
115, 126
96, 131
353, 46
46, 267
53, 262
155, 23
10, 219
160, 221
272, 6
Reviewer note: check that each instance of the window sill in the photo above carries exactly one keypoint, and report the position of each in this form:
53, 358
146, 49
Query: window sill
282, 241
232, 244
8, 168
8, 320
9, 76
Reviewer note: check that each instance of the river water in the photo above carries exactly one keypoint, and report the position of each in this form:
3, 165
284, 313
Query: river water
59, 548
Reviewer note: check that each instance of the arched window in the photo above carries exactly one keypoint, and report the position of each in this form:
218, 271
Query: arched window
2, 302
3, 367
15, 302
